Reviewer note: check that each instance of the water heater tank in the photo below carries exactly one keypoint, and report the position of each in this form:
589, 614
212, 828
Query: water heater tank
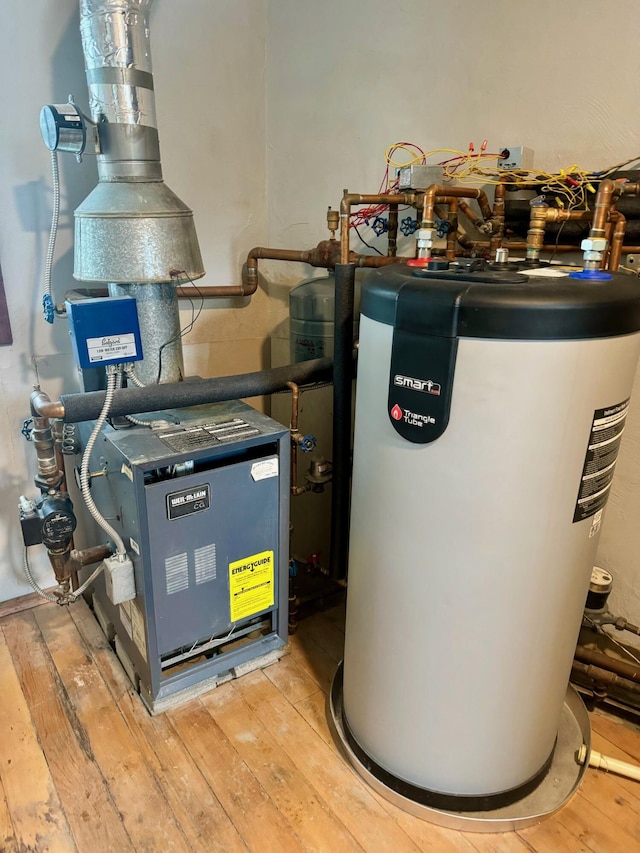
490, 409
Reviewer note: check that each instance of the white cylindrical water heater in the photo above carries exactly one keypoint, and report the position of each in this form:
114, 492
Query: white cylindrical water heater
490, 409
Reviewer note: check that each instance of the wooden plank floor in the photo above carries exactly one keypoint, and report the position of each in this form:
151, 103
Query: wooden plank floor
249, 766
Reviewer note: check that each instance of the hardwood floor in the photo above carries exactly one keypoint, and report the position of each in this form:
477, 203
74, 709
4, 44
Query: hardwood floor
249, 766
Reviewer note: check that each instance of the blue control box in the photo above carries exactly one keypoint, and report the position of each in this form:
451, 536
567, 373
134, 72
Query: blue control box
104, 330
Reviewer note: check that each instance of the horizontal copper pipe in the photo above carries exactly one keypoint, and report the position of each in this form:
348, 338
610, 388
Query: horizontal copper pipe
326, 255
89, 556
602, 678
630, 189
626, 670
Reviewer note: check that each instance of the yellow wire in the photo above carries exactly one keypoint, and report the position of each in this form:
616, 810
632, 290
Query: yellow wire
468, 170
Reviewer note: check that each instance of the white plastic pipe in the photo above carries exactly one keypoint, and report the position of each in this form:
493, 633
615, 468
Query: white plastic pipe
608, 764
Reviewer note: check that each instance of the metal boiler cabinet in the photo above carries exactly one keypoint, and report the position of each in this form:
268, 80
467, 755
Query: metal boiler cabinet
490, 409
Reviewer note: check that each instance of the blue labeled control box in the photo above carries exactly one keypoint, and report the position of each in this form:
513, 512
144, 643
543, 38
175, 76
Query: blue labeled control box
104, 330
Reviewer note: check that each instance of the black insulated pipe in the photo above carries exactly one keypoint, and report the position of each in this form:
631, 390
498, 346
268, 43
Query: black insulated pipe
343, 372
195, 392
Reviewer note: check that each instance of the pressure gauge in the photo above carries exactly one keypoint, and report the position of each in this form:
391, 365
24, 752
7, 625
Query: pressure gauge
62, 128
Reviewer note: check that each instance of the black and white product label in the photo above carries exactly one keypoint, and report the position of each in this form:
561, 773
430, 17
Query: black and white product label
600, 460
112, 347
194, 437
188, 501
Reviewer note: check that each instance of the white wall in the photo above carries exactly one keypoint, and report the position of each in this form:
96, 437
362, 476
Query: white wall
209, 61
345, 78
348, 78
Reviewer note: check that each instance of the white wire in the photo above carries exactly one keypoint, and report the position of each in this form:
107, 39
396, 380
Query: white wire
130, 371
32, 581
55, 216
86, 456
78, 592
600, 629
620, 646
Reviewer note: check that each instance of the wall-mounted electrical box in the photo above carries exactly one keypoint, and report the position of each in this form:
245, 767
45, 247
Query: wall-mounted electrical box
515, 157
104, 331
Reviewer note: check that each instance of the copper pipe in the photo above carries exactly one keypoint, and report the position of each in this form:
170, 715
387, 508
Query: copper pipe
435, 191
602, 678
42, 405
89, 556
295, 400
221, 291
540, 215
626, 670
326, 255
452, 233
349, 199
392, 233
260, 252
535, 234
617, 241
468, 211
608, 192
49, 470
630, 189
293, 430
608, 231
499, 210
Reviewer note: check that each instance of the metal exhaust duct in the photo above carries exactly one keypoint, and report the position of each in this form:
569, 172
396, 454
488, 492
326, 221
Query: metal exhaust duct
132, 230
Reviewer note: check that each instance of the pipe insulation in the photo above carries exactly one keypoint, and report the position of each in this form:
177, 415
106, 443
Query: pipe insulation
195, 392
343, 373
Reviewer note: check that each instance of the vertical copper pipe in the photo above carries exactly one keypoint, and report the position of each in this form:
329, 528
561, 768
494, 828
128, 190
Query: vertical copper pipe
535, 234
345, 221
499, 210
608, 231
608, 192
617, 241
293, 428
498, 218
392, 244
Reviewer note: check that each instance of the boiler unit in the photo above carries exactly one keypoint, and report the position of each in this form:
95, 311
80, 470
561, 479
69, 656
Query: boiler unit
202, 507
490, 409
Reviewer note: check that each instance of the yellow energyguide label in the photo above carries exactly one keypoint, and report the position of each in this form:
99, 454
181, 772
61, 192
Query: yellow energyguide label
251, 585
